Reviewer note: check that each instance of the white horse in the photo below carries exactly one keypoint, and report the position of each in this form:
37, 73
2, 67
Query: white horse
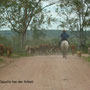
64, 48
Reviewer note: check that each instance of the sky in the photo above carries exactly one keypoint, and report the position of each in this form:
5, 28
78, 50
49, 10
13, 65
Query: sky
53, 26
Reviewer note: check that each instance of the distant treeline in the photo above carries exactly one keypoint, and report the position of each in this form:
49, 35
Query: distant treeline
50, 34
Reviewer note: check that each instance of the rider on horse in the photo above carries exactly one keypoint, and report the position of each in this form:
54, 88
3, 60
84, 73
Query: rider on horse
64, 36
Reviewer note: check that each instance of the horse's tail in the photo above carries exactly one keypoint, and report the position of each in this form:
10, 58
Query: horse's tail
64, 47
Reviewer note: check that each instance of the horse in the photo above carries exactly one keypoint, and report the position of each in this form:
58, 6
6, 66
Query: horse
64, 48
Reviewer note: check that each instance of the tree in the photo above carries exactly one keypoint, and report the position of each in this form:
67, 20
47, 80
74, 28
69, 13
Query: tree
20, 14
36, 27
76, 14
2, 20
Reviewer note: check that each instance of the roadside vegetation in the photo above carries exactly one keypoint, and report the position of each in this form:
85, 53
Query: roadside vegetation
87, 58
33, 15
1, 60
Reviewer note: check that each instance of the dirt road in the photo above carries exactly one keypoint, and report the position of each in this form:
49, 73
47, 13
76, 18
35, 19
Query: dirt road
46, 73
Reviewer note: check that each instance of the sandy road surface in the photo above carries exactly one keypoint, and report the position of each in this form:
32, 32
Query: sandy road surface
46, 73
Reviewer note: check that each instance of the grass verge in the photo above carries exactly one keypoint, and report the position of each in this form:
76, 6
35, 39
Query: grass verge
18, 55
1, 60
87, 58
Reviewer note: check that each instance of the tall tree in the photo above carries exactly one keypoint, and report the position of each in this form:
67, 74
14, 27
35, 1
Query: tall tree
76, 14
2, 10
20, 14
36, 27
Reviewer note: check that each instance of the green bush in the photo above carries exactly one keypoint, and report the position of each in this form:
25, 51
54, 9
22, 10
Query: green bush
1, 60
4, 41
87, 58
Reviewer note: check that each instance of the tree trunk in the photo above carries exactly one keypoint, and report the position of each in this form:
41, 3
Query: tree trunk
82, 40
22, 42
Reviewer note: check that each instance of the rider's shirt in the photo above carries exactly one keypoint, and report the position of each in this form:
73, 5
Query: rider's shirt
64, 36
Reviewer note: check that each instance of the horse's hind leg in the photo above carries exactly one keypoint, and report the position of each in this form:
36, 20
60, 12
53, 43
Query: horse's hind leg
64, 56
63, 53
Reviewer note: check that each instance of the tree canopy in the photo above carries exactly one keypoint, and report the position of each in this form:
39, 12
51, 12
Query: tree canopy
20, 15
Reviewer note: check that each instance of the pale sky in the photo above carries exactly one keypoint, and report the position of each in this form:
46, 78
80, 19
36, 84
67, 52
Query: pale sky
54, 14
53, 25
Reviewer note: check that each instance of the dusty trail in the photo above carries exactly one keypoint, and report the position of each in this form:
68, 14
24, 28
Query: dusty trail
47, 73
